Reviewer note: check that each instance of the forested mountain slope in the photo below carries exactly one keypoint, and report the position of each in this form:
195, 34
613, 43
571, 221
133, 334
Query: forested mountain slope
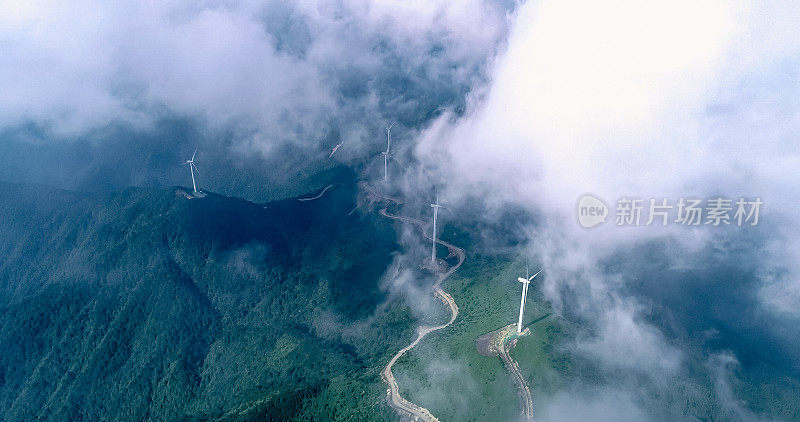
146, 304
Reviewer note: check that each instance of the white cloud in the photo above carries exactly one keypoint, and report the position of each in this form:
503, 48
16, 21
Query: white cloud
652, 99
604, 405
269, 69
630, 99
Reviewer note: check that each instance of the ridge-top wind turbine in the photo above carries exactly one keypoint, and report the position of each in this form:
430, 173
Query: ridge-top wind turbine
386, 153
192, 169
435, 207
525, 282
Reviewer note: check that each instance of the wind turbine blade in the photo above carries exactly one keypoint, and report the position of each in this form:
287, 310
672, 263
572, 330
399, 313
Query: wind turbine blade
531, 278
195, 153
195, 168
390, 126
399, 151
397, 161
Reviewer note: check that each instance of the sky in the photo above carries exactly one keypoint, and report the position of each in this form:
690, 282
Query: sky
524, 106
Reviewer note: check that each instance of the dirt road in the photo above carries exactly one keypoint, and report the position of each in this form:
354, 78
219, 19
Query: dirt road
524, 392
317, 196
499, 343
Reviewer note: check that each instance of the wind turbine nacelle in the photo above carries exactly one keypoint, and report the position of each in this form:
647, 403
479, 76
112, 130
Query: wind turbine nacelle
523, 280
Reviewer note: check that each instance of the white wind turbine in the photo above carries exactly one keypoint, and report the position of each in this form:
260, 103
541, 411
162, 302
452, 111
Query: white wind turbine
525, 282
386, 153
192, 169
435, 207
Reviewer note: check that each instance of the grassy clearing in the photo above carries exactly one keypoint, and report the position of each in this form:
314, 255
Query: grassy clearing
446, 374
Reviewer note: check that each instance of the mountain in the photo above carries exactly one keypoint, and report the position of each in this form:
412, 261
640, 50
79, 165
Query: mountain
150, 304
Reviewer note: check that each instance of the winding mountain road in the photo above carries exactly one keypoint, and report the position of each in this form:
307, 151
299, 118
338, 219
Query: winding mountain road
524, 392
395, 399
499, 343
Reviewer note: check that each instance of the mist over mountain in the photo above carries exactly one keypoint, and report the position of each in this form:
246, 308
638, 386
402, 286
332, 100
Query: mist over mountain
264, 90
126, 297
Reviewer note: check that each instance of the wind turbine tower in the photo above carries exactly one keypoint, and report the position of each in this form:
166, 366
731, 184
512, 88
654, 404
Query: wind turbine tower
525, 282
192, 169
386, 153
435, 207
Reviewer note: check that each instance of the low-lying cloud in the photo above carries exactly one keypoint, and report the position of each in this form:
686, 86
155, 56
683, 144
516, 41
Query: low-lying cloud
656, 100
624, 98
243, 82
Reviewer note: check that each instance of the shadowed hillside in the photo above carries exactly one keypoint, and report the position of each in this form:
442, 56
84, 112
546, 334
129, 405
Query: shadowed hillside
144, 304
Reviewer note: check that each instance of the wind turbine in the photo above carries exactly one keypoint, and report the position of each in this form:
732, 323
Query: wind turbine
435, 207
192, 169
386, 153
525, 282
